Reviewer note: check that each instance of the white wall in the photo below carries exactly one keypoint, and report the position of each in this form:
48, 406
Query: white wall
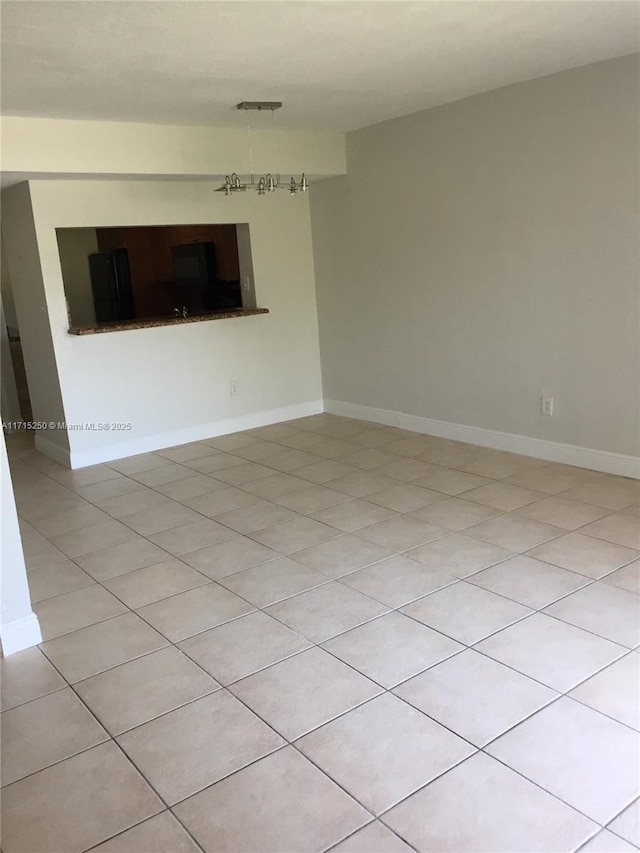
172, 383
19, 627
75, 246
6, 292
117, 149
32, 307
484, 253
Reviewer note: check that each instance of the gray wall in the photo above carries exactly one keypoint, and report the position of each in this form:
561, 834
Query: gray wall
484, 253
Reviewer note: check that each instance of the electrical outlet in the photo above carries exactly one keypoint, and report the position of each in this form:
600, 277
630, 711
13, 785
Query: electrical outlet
546, 406
234, 387
246, 284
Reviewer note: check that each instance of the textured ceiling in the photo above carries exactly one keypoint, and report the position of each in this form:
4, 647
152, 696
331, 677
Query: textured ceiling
336, 65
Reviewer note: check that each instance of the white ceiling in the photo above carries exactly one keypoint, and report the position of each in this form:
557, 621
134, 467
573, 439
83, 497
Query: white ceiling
336, 65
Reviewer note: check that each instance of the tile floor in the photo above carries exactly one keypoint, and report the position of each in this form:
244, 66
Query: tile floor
325, 635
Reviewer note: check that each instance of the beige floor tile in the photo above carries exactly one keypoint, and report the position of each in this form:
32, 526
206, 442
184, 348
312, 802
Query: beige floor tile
626, 578
153, 583
584, 554
481, 805
619, 529
289, 460
514, 533
142, 462
401, 533
614, 691
194, 746
191, 487
353, 515
496, 465
324, 472
458, 554
125, 505
25, 676
392, 648
234, 442
474, 696
339, 556
333, 448
465, 612
627, 825
397, 581
634, 509
579, 755
303, 692
67, 520
552, 652
612, 493
553, 479
256, 516
280, 803
87, 476
252, 448
362, 483
38, 553
166, 517
451, 482
604, 610
273, 581
196, 610
160, 834
75, 610
225, 500
77, 803
276, 486
247, 472
406, 497
45, 731
367, 458
373, 838
406, 470
562, 512
57, 579
110, 488
311, 500
229, 557
187, 452
213, 463
301, 440
290, 536
413, 446
112, 562
607, 842
503, 496
455, 514
383, 751
102, 646
192, 537
244, 646
77, 543
325, 611
145, 688
530, 582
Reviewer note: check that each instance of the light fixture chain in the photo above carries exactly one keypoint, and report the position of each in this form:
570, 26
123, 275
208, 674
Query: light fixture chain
275, 144
249, 145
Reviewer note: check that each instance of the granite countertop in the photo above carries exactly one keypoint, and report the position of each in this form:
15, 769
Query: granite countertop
150, 322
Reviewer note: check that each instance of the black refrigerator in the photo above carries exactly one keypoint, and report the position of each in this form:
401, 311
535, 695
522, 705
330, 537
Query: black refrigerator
111, 286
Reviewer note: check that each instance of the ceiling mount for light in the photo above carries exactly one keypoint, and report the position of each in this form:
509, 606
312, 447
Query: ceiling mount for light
271, 181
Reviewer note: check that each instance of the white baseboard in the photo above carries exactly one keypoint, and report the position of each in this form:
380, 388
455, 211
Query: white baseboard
52, 450
568, 454
147, 444
20, 634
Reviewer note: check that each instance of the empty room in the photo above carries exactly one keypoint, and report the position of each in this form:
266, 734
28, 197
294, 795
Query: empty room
320, 393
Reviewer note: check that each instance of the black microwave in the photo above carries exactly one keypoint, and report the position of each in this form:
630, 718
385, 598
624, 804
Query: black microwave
194, 264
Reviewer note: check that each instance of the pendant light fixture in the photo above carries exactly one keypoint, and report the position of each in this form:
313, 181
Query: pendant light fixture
271, 181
